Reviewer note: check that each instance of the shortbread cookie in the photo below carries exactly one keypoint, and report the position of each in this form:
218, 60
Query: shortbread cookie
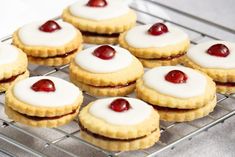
105, 71
217, 59
34, 121
156, 45
13, 66
119, 124
100, 21
149, 63
56, 60
44, 101
48, 41
175, 87
182, 115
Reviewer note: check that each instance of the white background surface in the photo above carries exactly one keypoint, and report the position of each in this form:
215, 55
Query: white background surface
218, 141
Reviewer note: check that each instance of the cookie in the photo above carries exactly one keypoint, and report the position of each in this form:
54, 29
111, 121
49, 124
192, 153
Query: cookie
13, 66
149, 63
40, 121
43, 101
215, 58
113, 71
176, 87
100, 22
156, 45
53, 41
182, 115
119, 124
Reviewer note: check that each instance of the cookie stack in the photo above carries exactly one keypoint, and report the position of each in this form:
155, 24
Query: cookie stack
13, 66
48, 43
100, 21
177, 93
156, 45
105, 71
113, 124
217, 59
43, 101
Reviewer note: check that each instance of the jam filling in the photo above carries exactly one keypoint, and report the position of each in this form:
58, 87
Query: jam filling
229, 84
10, 79
114, 35
59, 56
168, 109
118, 86
108, 138
46, 118
166, 58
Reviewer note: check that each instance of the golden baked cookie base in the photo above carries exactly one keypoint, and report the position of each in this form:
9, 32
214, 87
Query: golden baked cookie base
102, 91
151, 63
100, 40
156, 98
110, 26
100, 127
14, 68
121, 77
225, 89
175, 115
113, 145
50, 123
57, 61
220, 75
151, 53
43, 51
30, 110
6, 85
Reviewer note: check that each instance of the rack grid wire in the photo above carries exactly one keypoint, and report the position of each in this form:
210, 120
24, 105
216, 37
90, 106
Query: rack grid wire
168, 139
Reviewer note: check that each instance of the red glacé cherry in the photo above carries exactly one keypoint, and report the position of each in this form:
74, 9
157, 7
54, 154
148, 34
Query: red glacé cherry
105, 52
176, 76
97, 3
49, 26
43, 85
219, 50
158, 29
120, 105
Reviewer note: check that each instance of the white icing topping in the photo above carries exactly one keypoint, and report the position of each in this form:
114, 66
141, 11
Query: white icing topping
31, 35
138, 37
8, 53
199, 55
138, 112
86, 60
194, 86
65, 94
115, 8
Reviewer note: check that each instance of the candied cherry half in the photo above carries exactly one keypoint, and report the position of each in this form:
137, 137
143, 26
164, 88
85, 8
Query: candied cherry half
97, 3
158, 29
43, 85
104, 52
219, 50
176, 76
50, 26
120, 105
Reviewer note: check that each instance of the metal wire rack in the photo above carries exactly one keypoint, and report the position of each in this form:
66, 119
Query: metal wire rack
43, 140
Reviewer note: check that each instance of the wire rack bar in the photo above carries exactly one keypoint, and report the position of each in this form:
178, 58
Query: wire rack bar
12, 125
21, 146
164, 128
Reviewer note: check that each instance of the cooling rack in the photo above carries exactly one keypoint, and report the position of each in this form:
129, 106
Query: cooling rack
62, 141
